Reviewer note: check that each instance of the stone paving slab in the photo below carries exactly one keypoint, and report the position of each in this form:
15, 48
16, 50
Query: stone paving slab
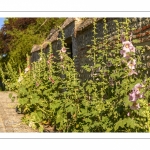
10, 121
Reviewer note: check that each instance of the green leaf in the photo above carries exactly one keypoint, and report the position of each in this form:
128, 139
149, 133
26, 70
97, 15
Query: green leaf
58, 119
10, 95
39, 114
34, 99
85, 128
42, 87
13, 98
87, 120
70, 109
118, 124
23, 101
108, 129
126, 101
41, 128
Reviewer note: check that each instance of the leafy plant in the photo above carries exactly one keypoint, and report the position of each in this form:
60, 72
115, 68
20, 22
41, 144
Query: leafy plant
113, 98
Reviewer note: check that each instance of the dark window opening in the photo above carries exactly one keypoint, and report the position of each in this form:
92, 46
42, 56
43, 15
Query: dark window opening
69, 47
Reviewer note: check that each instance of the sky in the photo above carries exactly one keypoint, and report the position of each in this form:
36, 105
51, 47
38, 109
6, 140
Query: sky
1, 22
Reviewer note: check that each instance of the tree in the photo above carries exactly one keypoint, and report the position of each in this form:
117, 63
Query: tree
18, 35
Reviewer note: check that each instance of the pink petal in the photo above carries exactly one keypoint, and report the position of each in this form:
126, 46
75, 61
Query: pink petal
137, 86
135, 106
126, 42
126, 49
131, 64
132, 49
63, 50
121, 52
128, 114
133, 97
132, 72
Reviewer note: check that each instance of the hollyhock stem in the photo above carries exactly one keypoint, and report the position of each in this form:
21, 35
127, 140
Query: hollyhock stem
148, 118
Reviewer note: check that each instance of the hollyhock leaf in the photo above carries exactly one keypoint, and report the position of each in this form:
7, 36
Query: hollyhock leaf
41, 128
126, 101
23, 101
34, 100
88, 120
118, 124
10, 95
85, 128
130, 122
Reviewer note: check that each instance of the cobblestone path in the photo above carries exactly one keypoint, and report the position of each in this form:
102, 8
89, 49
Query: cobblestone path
10, 121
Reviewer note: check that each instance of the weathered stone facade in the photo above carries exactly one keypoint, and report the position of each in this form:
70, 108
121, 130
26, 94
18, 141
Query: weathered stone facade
78, 34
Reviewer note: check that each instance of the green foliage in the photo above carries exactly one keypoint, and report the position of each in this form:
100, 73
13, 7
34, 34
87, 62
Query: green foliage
18, 35
51, 93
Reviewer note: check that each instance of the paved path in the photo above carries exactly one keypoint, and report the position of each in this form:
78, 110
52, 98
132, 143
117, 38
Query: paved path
10, 121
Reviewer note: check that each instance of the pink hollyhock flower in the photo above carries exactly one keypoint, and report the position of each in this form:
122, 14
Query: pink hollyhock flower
20, 79
51, 56
61, 57
127, 47
133, 97
62, 66
109, 64
137, 87
125, 54
132, 49
135, 94
63, 50
37, 84
135, 106
132, 72
27, 69
51, 80
131, 64
128, 114
141, 96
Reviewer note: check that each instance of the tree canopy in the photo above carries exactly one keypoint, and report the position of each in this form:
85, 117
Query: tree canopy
18, 35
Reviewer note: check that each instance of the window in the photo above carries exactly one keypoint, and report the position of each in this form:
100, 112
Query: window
69, 47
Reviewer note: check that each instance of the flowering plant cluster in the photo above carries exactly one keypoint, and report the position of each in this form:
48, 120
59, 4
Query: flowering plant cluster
127, 51
51, 93
135, 95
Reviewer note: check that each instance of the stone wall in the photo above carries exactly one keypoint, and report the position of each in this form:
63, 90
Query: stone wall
78, 33
83, 38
